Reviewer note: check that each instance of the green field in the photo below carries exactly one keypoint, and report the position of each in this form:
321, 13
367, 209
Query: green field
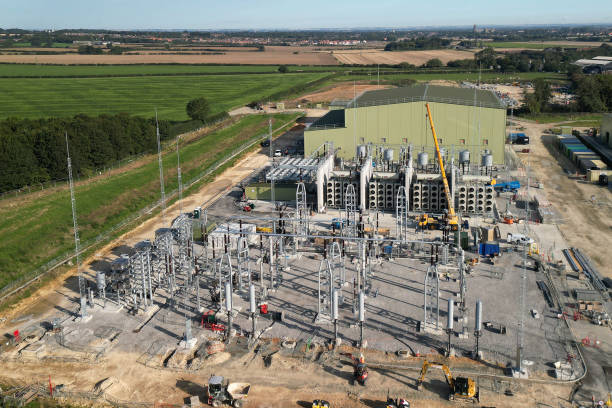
34, 230
41, 97
460, 76
573, 119
32, 70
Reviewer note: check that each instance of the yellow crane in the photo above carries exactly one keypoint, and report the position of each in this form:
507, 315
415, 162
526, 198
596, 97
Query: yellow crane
460, 387
451, 217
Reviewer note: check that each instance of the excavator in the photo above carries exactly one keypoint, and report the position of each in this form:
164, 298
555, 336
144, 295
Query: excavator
450, 219
459, 388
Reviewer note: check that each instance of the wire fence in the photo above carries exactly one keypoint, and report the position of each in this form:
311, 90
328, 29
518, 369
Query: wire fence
96, 174
67, 256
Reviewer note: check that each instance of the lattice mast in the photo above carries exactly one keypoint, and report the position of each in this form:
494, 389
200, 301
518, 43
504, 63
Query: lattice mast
76, 227
161, 169
178, 172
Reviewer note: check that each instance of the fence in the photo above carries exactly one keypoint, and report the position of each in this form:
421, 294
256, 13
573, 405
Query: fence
36, 274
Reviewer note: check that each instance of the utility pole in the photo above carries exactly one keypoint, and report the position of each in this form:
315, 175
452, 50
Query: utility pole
76, 236
270, 137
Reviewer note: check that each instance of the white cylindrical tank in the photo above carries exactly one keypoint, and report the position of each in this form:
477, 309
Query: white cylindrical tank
228, 296
449, 321
253, 303
464, 156
335, 304
423, 159
487, 160
361, 151
361, 306
388, 155
478, 321
101, 280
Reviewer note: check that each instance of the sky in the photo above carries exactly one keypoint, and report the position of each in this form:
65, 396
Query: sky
285, 14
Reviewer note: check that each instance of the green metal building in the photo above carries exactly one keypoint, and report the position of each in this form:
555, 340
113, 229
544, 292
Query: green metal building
465, 119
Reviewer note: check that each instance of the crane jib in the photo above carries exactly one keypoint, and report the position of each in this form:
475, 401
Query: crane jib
451, 209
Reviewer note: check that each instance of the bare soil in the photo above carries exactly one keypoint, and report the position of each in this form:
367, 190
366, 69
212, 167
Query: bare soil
586, 208
380, 56
271, 55
341, 91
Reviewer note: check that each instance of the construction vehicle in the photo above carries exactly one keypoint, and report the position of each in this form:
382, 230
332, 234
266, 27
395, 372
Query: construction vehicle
397, 403
360, 369
427, 222
320, 404
221, 391
450, 219
506, 186
459, 388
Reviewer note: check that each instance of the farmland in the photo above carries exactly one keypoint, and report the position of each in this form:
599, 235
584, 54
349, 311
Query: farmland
378, 56
498, 77
272, 55
40, 97
104, 203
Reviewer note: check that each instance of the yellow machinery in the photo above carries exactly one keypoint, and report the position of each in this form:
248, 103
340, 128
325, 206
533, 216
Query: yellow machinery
460, 387
451, 218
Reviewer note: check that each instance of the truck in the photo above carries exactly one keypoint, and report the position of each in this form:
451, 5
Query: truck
507, 186
221, 391
518, 239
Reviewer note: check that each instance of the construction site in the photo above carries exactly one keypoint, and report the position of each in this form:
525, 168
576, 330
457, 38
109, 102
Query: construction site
349, 275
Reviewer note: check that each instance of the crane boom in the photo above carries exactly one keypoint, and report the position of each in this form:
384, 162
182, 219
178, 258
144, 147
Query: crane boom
451, 209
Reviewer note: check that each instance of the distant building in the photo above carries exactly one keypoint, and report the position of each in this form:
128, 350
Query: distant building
596, 65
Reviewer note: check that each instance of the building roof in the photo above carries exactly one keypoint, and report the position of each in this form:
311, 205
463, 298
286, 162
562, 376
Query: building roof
599, 62
430, 93
332, 119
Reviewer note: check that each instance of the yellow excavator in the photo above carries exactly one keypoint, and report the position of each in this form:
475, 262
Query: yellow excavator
459, 388
451, 218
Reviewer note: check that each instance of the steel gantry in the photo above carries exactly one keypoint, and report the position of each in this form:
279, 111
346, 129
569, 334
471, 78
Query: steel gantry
350, 217
401, 214
431, 293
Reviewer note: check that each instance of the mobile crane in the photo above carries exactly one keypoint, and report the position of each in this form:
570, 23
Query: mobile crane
451, 219
460, 387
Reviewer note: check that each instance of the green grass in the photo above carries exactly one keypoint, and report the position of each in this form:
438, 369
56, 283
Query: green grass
34, 230
575, 119
41, 97
33, 70
460, 76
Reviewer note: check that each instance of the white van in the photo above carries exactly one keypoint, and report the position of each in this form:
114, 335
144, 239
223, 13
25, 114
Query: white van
518, 239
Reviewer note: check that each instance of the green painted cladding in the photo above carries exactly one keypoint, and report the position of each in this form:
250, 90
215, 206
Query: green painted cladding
465, 127
262, 191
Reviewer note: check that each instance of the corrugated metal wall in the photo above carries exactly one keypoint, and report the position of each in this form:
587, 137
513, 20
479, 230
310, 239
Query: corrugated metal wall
394, 124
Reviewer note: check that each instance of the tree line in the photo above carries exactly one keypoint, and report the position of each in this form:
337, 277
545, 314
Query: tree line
420, 43
33, 151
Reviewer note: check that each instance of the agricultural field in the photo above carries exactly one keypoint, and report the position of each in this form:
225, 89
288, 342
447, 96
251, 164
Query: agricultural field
378, 56
107, 201
397, 78
272, 55
32, 70
40, 97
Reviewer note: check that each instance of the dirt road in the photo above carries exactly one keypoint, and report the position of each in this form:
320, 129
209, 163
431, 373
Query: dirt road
586, 208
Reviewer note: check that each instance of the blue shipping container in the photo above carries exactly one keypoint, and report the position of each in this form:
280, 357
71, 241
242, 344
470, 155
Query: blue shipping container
488, 249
